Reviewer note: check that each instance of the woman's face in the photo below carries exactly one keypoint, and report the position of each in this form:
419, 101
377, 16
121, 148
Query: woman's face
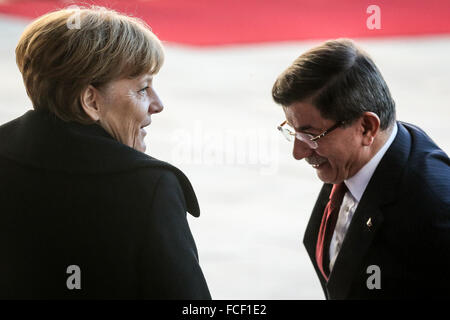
126, 109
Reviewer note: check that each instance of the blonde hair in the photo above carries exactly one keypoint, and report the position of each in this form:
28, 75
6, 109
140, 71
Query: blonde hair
58, 61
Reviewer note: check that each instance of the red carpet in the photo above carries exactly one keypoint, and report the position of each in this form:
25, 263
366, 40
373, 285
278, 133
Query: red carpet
217, 22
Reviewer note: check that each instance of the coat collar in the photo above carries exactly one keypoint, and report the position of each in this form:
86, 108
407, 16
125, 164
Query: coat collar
39, 139
358, 183
381, 190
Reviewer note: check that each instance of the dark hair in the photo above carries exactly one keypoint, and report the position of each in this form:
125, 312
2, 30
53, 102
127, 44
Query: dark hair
340, 80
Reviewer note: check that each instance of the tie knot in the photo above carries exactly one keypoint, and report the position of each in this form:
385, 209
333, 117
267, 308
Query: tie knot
337, 194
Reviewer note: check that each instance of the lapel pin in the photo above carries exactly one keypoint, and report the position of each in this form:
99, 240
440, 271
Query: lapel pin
369, 222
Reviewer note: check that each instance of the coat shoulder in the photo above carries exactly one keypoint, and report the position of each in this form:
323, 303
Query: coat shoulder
172, 178
427, 174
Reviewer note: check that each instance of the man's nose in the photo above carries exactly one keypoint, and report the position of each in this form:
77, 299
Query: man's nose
156, 105
301, 150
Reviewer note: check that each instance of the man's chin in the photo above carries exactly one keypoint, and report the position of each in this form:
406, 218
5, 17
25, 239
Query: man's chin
324, 179
325, 174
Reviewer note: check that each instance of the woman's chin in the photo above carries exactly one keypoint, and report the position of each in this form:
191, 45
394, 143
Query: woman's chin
142, 147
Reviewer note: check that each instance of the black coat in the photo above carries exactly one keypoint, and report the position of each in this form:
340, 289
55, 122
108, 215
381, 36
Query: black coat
408, 235
72, 195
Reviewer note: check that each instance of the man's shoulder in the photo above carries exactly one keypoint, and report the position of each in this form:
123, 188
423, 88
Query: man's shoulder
426, 175
421, 142
425, 159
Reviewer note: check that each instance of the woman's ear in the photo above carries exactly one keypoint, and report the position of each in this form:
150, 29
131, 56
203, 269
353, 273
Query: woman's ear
371, 126
90, 102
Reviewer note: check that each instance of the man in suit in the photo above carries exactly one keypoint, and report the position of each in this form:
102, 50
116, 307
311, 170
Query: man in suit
381, 225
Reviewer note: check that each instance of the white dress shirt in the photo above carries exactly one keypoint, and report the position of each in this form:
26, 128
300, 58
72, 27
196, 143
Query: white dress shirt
356, 186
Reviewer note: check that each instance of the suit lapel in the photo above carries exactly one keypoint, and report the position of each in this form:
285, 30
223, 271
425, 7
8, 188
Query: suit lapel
312, 229
356, 243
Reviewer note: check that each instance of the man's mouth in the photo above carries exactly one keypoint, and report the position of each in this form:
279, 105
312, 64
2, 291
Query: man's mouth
316, 161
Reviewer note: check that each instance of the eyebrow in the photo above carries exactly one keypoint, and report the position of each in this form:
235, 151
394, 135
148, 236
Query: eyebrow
304, 128
146, 78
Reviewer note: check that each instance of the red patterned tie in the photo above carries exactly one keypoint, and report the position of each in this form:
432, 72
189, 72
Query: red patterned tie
328, 223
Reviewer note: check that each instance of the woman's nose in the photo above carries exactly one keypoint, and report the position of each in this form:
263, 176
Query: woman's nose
301, 150
156, 105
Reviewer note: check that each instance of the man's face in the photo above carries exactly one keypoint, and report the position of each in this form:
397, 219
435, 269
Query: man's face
339, 155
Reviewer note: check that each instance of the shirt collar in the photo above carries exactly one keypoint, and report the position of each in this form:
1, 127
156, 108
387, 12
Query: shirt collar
358, 183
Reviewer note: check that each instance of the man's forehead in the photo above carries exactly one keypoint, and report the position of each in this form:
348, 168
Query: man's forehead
303, 117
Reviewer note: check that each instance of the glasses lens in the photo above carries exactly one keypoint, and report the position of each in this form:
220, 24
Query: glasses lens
306, 138
286, 133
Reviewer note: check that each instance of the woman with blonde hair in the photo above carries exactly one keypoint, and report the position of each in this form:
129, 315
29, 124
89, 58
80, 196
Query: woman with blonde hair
85, 213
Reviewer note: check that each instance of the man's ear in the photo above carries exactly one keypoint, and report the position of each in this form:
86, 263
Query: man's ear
370, 126
90, 102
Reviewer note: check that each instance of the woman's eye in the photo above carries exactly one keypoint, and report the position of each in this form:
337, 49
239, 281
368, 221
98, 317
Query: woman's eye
143, 90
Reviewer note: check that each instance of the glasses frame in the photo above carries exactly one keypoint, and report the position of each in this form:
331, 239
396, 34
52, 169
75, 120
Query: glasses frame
309, 139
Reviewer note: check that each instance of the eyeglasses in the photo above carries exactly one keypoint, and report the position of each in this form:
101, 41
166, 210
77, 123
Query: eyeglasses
310, 140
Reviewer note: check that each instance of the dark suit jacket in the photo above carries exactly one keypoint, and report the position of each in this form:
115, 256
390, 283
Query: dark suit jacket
72, 195
408, 201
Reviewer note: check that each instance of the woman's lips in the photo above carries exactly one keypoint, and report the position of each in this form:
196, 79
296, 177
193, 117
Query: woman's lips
142, 130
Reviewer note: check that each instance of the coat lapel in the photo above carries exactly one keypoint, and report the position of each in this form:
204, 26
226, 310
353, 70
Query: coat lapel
380, 191
356, 243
